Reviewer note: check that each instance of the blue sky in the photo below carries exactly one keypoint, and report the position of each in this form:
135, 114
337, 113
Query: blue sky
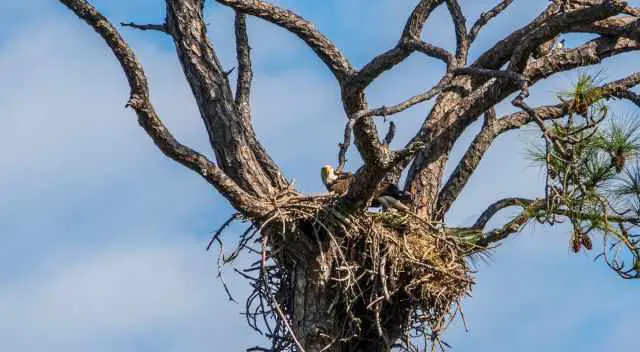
102, 238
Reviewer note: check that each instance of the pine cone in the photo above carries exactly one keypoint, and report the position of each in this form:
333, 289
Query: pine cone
586, 242
575, 244
618, 162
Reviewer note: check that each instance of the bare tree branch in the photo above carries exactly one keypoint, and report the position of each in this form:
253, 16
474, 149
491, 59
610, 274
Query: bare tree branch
632, 11
243, 97
390, 58
489, 94
513, 226
619, 26
460, 25
433, 51
516, 77
377, 155
408, 43
469, 162
494, 208
417, 19
231, 135
556, 25
629, 95
147, 117
417, 99
492, 128
344, 146
325, 49
499, 54
245, 74
366, 135
454, 110
146, 27
388, 138
590, 53
532, 207
485, 17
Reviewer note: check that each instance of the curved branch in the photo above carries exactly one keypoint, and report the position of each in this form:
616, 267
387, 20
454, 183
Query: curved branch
629, 95
499, 54
493, 128
325, 49
392, 57
231, 135
147, 117
492, 92
532, 207
485, 17
556, 25
591, 53
620, 26
409, 42
494, 208
416, 99
417, 19
513, 226
616, 88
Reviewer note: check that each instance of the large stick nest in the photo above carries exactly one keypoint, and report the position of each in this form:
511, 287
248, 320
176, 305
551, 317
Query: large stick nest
389, 274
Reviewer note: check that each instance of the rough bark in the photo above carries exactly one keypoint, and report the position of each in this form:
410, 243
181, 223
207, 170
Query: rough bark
314, 318
237, 151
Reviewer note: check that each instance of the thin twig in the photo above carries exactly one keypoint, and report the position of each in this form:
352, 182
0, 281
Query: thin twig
344, 146
146, 27
221, 229
388, 138
485, 17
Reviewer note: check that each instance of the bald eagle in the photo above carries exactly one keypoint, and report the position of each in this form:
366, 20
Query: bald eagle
388, 196
337, 183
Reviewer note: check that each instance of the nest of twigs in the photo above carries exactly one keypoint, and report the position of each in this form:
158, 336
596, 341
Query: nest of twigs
387, 274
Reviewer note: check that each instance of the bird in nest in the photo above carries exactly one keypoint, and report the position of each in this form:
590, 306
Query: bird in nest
559, 45
549, 47
388, 196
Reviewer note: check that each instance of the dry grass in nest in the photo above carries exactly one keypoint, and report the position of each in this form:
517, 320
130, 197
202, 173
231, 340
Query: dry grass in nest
376, 264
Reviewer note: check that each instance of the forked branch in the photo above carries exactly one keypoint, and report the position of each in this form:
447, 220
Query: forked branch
325, 49
493, 128
558, 24
409, 42
485, 17
147, 117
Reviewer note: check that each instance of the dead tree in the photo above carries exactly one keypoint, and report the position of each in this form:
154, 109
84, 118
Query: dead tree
330, 275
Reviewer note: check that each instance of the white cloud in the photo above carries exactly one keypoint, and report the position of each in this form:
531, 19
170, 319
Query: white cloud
79, 297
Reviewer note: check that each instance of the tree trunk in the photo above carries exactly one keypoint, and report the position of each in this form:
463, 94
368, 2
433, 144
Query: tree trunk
318, 320
315, 320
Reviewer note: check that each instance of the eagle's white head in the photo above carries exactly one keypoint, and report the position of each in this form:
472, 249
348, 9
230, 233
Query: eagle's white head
328, 175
